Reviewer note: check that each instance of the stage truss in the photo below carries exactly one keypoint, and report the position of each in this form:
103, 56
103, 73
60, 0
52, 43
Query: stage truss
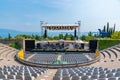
75, 27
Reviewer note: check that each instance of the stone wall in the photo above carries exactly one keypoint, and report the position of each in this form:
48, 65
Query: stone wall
7, 42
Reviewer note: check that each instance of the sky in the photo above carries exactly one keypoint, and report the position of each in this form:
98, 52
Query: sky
25, 15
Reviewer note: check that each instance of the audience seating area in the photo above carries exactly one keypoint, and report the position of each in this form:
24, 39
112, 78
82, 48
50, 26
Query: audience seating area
20, 72
43, 58
74, 58
98, 71
49, 57
87, 73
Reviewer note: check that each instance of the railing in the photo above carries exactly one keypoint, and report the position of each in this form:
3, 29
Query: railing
54, 66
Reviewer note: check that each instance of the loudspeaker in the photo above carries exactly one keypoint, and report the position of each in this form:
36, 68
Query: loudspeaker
82, 45
38, 45
93, 44
29, 45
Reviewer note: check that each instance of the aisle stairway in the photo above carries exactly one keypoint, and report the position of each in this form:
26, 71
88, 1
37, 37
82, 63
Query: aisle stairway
110, 58
7, 55
47, 76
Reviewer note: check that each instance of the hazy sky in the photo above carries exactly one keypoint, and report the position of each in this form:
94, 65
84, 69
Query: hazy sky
25, 15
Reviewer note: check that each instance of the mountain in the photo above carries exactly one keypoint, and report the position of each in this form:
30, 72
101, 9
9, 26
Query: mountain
4, 33
8, 31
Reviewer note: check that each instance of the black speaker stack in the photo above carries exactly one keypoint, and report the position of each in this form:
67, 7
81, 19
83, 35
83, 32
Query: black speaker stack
29, 45
93, 45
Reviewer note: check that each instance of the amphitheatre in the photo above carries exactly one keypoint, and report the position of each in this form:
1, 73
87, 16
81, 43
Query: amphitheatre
59, 59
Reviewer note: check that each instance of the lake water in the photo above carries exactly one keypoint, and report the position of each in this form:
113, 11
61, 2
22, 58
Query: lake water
13, 34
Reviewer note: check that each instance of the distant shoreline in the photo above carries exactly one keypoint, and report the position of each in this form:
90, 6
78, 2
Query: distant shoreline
4, 33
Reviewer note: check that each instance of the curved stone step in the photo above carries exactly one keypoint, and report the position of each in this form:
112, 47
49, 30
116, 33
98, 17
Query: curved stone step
5, 53
102, 54
116, 48
117, 52
107, 57
11, 55
113, 52
2, 51
107, 53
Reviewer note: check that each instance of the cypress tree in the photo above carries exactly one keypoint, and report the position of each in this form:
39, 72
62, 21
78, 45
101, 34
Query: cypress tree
90, 34
104, 28
9, 36
75, 33
61, 36
45, 34
107, 26
114, 27
0, 37
36, 37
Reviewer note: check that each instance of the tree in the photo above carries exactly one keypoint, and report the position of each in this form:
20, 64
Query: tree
66, 36
23, 36
45, 34
0, 37
36, 37
115, 35
16, 45
108, 30
104, 28
83, 37
56, 37
33, 36
87, 38
114, 27
61, 36
90, 34
96, 35
50, 38
75, 32
9, 36
71, 37
107, 26
19, 37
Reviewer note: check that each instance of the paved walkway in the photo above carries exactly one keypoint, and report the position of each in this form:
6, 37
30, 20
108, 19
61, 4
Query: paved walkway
88, 57
109, 65
30, 57
48, 75
59, 57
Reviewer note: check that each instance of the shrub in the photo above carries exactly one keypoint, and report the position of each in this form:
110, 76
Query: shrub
16, 45
103, 44
116, 35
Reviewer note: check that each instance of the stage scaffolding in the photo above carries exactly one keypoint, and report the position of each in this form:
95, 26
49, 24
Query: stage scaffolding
76, 27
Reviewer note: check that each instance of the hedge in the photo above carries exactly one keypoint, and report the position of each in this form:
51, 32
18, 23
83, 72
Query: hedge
103, 44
